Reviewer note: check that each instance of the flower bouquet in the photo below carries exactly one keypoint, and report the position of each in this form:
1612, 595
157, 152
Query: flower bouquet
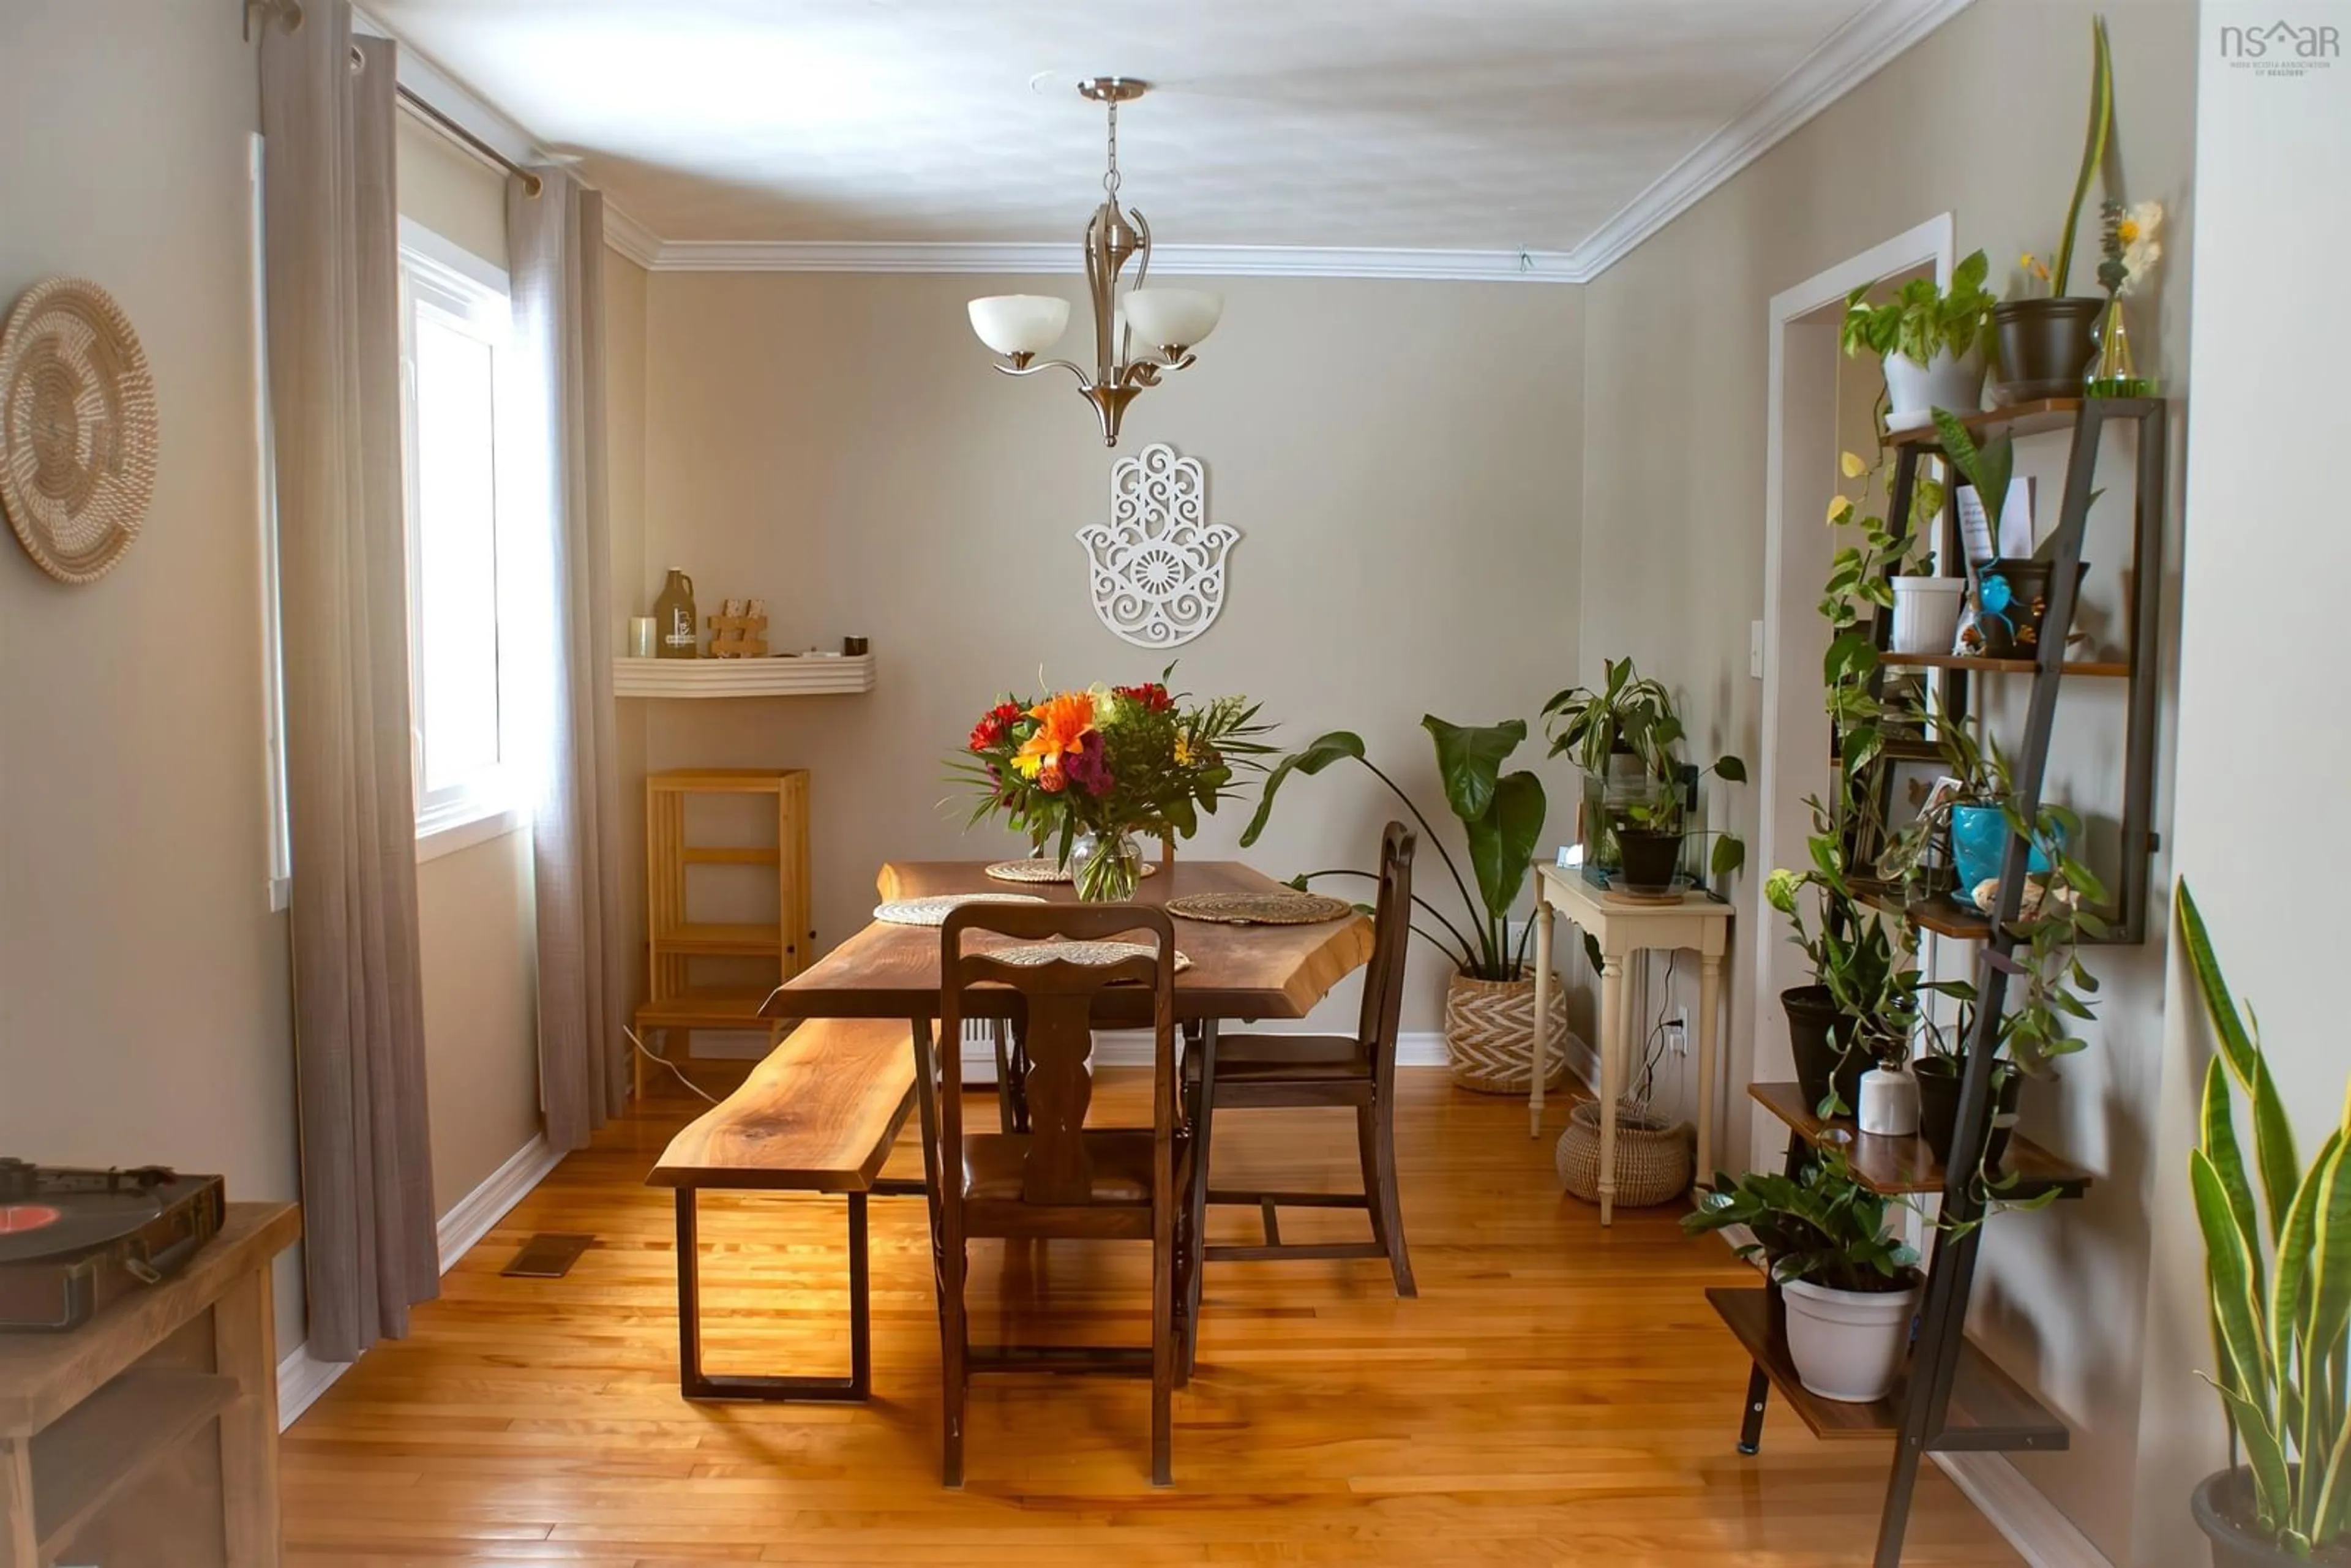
1087, 771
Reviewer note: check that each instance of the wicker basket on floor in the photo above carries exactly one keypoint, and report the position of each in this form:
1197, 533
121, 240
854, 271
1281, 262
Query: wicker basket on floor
1489, 1035
1652, 1159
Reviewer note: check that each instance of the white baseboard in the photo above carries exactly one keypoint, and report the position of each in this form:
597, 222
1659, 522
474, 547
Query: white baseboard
2039, 1530
301, 1379
478, 1213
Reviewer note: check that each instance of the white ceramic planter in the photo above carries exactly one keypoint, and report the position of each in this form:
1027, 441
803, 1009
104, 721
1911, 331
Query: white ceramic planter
1848, 1344
1927, 613
1913, 391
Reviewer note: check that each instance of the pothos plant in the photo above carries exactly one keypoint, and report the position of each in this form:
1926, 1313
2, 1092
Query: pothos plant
1632, 714
1501, 816
1922, 320
1819, 1225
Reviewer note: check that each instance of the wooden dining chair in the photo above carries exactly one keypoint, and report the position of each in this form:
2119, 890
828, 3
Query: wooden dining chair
1290, 1069
1060, 1177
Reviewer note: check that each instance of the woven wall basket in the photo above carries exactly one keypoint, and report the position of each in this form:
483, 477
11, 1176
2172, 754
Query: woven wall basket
1652, 1160
76, 428
1489, 1035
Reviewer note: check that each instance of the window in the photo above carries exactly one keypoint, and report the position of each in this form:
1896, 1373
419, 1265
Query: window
454, 325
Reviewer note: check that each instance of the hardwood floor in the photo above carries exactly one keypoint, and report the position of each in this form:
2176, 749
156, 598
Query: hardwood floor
1557, 1394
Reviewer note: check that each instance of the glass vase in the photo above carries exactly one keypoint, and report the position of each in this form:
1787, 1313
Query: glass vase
2113, 370
1105, 867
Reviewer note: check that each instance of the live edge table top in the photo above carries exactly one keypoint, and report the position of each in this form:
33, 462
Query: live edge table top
1243, 972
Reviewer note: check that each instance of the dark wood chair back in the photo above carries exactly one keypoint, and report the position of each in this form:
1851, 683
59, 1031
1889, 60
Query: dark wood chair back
1390, 936
1058, 997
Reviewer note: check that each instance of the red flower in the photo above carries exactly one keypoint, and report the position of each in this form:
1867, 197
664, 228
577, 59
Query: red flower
994, 725
1150, 698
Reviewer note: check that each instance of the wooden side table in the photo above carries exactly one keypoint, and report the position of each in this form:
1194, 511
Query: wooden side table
150, 1433
1623, 926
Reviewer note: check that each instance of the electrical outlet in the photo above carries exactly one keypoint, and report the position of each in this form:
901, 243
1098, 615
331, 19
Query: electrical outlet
1677, 1034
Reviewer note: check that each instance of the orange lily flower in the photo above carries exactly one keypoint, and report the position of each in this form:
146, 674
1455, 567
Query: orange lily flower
1063, 723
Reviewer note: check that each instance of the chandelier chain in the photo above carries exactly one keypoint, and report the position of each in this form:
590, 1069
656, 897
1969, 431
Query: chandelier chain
1110, 178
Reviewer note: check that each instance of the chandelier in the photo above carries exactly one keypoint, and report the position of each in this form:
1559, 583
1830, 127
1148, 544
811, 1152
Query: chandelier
1171, 320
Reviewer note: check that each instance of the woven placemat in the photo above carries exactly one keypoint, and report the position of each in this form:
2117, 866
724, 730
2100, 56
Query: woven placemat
1260, 908
1029, 954
76, 428
1043, 870
933, 911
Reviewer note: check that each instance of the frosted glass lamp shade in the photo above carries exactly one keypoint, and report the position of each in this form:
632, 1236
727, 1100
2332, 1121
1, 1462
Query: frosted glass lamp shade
1019, 323
1173, 318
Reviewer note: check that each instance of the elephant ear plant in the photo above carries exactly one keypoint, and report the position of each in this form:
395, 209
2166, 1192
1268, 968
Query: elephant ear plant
1501, 815
2279, 1269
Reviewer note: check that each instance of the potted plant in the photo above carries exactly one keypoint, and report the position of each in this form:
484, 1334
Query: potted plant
2011, 592
2278, 1266
1930, 340
1627, 739
1490, 1006
2045, 341
1850, 1287
1863, 1001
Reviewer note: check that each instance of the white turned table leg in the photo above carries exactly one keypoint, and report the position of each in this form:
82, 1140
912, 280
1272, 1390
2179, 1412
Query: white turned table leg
1543, 917
1612, 1023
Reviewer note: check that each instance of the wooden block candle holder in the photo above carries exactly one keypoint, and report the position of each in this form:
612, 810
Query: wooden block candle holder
739, 630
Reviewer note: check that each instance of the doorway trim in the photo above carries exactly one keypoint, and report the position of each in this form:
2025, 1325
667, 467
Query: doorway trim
1929, 244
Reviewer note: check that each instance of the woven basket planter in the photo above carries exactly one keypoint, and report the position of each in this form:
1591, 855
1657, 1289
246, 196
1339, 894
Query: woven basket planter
1652, 1159
1489, 1035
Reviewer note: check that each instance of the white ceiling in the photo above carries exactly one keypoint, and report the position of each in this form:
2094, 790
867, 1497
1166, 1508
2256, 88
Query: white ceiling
1469, 125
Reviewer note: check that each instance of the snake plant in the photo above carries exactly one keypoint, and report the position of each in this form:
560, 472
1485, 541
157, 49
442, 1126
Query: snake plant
2280, 1275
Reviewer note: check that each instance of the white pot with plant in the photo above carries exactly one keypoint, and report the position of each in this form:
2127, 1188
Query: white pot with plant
1850, 1285
1489, 1011
2278, 1267
1931, 341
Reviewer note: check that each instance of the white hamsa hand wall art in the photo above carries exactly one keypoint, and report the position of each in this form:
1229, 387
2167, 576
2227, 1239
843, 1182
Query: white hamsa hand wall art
1157, 567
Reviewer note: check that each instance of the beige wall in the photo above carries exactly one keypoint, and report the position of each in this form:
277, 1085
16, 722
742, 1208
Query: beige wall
2258, 605
1982, 121
451, 192
1403, 461
143, 1011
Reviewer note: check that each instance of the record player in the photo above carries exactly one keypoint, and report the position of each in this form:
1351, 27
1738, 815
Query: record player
72, 1241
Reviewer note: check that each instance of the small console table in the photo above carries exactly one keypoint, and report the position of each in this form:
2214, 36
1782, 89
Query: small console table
1624, 926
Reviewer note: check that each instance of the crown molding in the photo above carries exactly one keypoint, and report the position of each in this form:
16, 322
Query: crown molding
1167, 260
1846, 58
630, 238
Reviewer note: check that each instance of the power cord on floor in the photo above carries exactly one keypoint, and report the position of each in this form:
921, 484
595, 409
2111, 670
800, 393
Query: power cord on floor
691, 1087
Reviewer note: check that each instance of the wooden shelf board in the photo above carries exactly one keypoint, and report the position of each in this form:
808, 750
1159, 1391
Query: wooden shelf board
707, 1008
1988, 1409
2110, 669
1907, 1166
783, 676
727, 855
710, 940
2032, 418
110, 1440
1940, 916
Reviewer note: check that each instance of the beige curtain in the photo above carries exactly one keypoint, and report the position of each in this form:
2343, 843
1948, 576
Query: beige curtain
555, 243
334, 394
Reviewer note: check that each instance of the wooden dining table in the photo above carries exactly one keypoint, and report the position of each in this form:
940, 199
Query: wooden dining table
1236, 973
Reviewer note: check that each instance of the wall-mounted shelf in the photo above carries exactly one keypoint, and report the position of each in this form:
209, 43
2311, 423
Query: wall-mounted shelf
796, 676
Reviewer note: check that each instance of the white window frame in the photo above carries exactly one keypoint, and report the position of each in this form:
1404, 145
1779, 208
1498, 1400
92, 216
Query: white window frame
462, 289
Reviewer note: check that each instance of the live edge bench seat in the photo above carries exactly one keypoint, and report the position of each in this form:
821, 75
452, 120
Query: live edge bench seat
820, 1115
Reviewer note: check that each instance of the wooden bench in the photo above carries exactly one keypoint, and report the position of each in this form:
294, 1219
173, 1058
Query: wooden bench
820, 1115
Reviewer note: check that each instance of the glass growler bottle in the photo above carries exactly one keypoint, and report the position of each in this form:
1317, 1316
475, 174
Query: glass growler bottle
677, 632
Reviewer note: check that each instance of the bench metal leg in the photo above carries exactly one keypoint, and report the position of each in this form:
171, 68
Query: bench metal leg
695, 1384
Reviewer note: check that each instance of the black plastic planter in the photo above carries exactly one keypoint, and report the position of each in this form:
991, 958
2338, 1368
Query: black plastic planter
2014, 631
2045, 346
2223, 1506
1938, 1107
1822, 1038
1647, 859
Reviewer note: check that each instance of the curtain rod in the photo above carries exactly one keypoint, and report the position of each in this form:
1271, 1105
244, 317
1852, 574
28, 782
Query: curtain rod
531, 183
290, 14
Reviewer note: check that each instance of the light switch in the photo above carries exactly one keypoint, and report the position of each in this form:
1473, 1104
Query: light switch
1755, 649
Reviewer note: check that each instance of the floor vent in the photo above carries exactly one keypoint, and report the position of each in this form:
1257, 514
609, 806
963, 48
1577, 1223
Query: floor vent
547, 1256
